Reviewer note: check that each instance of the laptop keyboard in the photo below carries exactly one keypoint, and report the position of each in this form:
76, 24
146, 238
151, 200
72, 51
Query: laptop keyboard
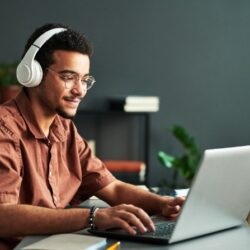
161, 230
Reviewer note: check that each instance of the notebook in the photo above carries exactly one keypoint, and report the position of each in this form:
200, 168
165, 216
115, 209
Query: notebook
68, 241
217, 200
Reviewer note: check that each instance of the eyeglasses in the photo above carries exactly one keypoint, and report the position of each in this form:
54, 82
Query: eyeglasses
72, 79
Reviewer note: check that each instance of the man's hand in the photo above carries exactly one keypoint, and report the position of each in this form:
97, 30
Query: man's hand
172, 206
124, 216
144, 203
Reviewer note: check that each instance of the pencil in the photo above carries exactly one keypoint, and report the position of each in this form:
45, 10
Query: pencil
114, 246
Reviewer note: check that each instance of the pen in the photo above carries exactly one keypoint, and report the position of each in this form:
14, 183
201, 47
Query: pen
114, 246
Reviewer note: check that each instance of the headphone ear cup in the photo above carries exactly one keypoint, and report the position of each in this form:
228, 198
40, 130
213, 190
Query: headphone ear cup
23, 73
29, 77
37, 74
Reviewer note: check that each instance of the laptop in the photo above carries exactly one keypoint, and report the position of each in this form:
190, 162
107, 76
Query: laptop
219, 199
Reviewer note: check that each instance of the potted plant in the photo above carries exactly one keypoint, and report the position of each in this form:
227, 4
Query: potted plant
9, 86
187, 163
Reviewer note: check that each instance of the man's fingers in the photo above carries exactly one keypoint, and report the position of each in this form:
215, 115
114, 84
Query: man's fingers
172, 207
176, 201
142, 216
130, 219
180, 200
122, 224
127, 217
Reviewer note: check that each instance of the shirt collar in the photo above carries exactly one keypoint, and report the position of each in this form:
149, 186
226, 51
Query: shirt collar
57, 130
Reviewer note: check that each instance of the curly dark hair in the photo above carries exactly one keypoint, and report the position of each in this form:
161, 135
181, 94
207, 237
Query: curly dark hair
69, 40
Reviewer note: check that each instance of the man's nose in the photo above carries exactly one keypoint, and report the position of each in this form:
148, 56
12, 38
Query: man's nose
79, 88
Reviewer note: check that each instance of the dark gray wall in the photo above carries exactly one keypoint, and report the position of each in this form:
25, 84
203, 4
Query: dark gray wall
193, 54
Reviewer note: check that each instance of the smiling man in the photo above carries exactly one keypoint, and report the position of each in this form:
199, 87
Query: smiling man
72, 70
45, 165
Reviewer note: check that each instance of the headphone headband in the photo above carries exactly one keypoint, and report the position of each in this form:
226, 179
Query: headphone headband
29, 71
41, 40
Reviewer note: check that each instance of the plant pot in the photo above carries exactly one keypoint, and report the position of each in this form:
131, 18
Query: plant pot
8, 92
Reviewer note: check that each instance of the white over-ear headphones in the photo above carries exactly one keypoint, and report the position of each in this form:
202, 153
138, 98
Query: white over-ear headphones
29, 71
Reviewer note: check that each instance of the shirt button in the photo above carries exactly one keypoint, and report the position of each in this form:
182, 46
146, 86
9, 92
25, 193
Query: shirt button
50, 173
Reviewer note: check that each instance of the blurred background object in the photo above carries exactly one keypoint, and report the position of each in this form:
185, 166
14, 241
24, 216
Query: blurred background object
9, 86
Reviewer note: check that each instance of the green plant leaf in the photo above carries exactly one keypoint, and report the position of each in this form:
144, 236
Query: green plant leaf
166, 159
188, 162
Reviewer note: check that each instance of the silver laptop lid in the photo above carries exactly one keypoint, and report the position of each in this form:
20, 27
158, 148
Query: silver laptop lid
220, 194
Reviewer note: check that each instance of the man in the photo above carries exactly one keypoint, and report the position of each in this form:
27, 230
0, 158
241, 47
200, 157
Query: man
45, 164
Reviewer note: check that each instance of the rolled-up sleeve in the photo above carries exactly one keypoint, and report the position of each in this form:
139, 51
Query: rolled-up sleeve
95, 175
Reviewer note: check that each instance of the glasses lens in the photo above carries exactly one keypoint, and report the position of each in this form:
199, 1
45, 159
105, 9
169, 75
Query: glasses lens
89, 82
70, 82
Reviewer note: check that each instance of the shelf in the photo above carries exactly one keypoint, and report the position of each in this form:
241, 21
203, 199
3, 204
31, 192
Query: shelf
118, 135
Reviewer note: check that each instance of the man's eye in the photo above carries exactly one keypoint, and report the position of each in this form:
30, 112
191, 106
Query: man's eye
85, 79
67, 77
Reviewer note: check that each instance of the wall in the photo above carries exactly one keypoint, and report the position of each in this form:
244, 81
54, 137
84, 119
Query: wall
193, 54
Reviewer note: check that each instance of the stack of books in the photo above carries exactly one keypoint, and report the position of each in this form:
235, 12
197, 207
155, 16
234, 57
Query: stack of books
135, 103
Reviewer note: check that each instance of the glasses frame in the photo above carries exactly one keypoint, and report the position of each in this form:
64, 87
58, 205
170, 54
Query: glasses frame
87, 84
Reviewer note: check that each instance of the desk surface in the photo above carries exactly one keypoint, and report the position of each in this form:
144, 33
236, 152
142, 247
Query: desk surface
237, 238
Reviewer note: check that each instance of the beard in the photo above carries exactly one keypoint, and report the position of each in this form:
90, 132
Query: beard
65, 114
60, 110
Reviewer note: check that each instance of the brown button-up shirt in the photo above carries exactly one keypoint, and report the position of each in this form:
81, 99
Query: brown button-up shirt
45, 171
